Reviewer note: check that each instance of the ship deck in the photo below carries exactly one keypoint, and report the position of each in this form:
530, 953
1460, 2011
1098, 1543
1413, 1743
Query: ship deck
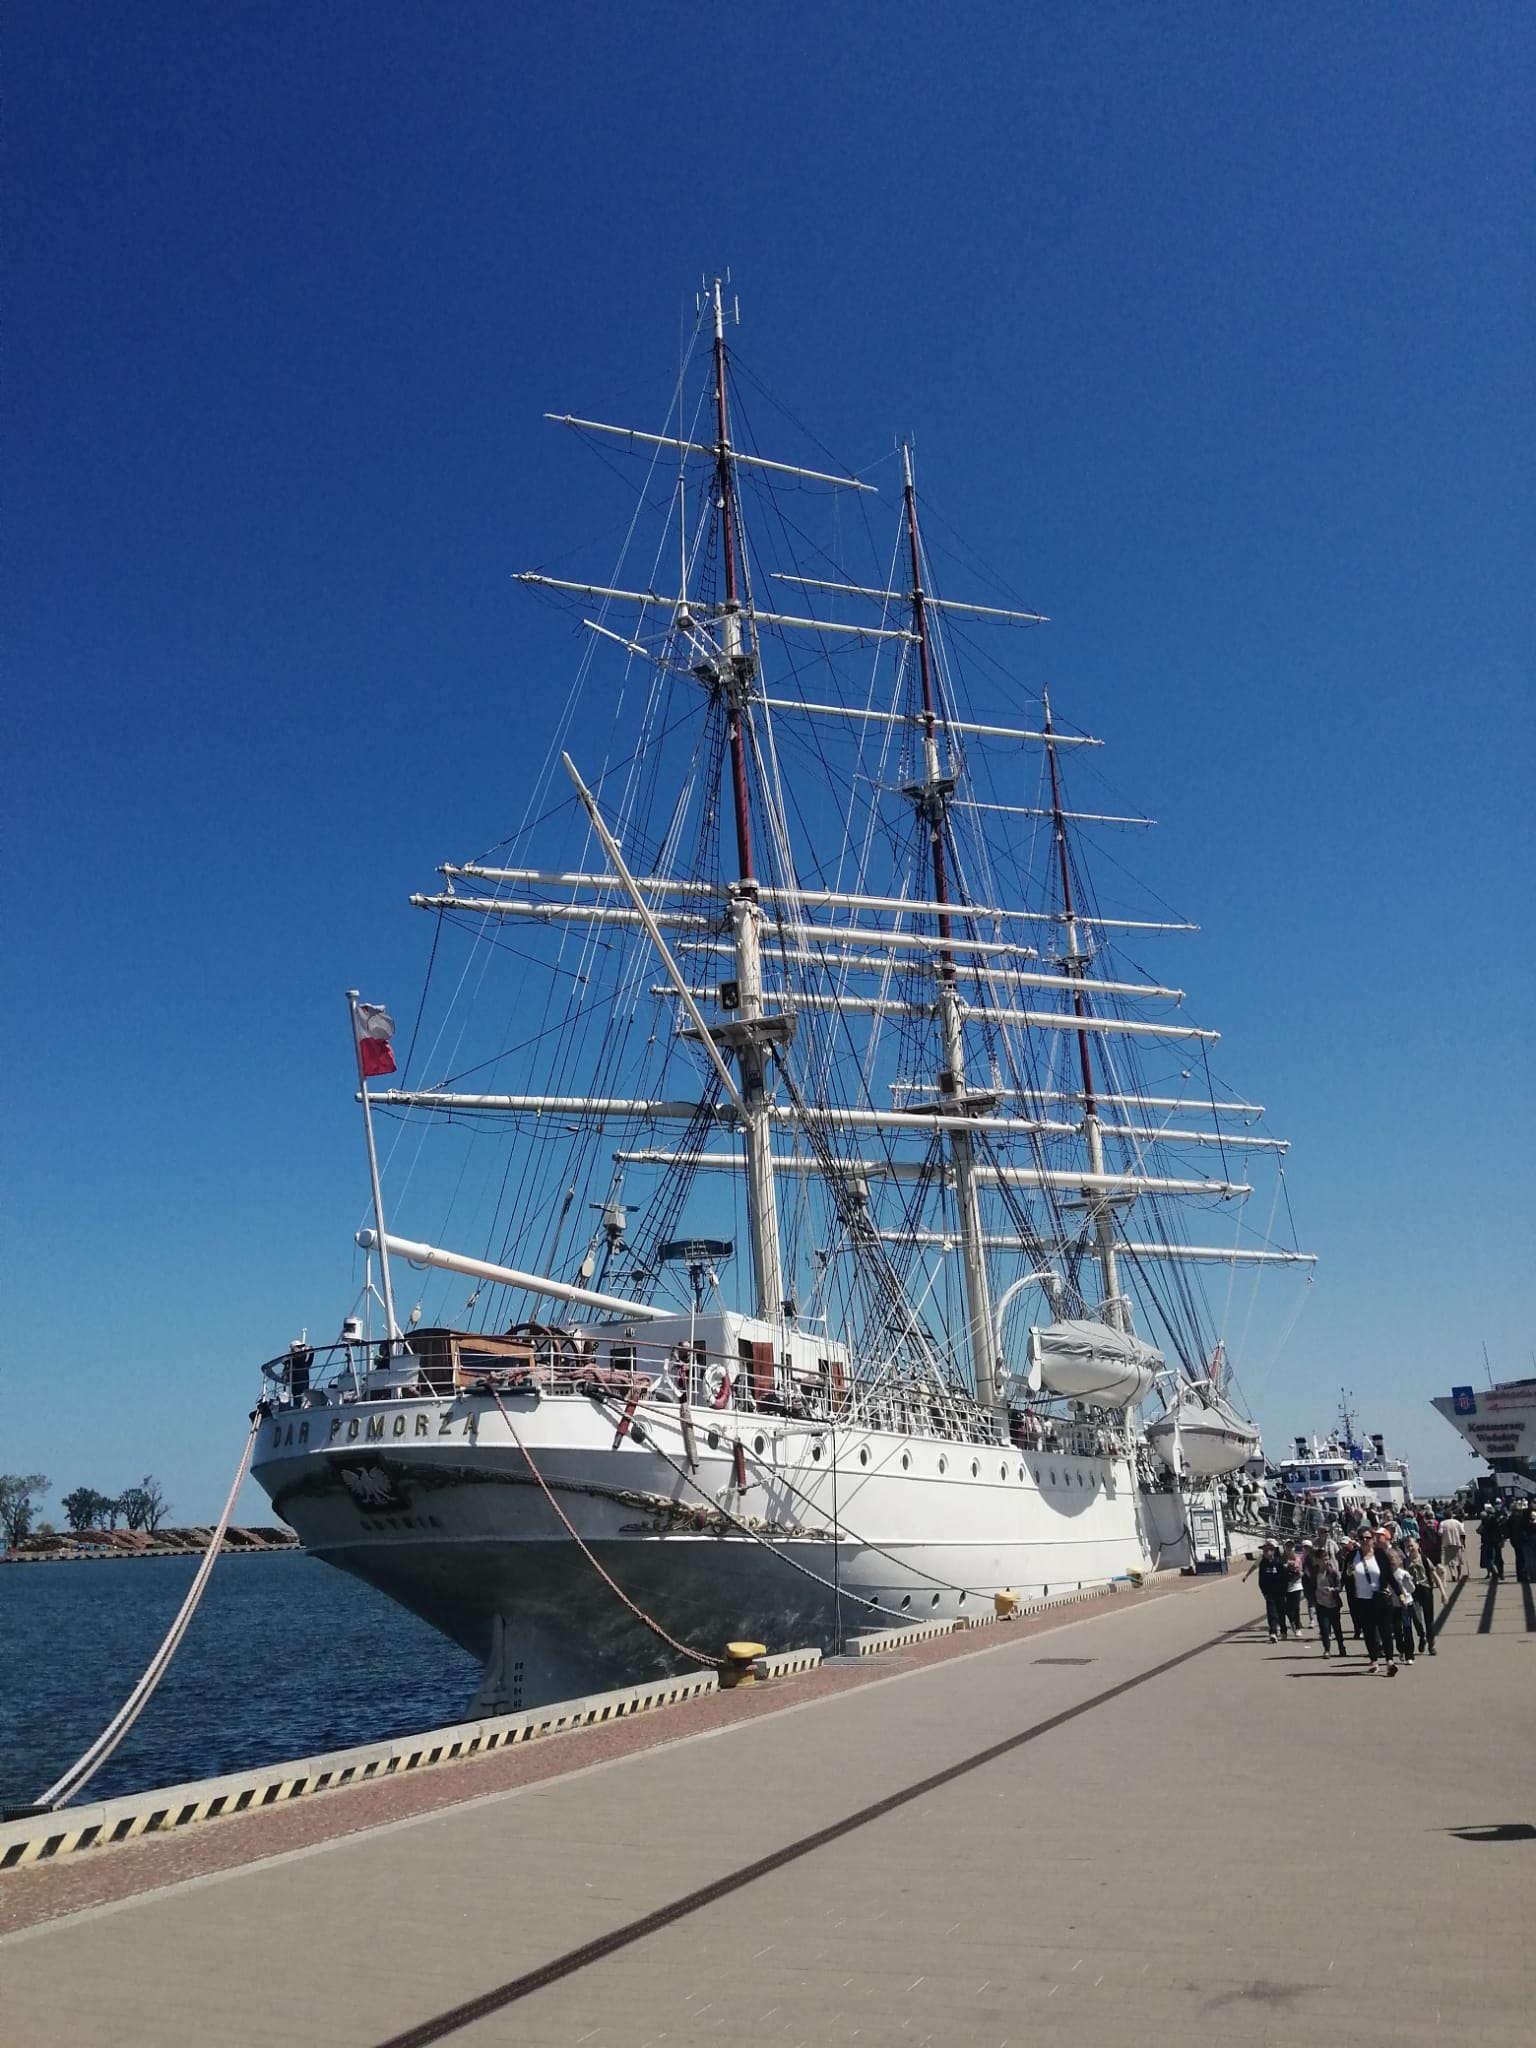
1128, 1821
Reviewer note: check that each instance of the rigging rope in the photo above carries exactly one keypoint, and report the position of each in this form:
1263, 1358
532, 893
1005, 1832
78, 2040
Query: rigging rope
682, 1649
840, 1533
79, 1774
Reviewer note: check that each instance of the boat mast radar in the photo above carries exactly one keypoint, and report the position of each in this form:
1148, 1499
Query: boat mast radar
702, 1256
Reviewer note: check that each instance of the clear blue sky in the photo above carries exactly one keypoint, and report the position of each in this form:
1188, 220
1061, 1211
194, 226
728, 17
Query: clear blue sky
1213, 325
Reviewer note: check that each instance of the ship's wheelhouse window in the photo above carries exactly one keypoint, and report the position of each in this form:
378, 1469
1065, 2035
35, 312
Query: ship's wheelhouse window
622, 1357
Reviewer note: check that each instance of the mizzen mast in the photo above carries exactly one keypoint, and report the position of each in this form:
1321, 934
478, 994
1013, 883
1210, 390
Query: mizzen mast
1074, 964
931, 800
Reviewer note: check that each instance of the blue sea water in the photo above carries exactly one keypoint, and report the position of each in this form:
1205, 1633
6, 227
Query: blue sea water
284, 1657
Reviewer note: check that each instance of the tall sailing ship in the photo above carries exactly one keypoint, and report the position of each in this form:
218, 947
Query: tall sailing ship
904, 1181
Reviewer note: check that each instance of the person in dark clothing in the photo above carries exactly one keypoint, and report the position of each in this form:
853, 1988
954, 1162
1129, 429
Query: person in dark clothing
1372, 1575
1293, 1588
1274, 1576
1491, 1540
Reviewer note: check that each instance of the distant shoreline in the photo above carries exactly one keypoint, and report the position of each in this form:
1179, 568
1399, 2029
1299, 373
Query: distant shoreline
174, 1543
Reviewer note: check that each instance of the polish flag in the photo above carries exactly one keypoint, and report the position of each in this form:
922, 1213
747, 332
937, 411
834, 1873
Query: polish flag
375, 1028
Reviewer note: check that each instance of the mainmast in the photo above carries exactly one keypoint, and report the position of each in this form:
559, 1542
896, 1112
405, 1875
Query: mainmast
750, 1034
1074, 963
931, 800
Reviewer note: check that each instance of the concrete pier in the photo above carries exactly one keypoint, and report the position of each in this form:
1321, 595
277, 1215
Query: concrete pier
1146, 1823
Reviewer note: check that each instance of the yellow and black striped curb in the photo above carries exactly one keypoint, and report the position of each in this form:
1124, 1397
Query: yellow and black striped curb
879, 1640
42, 1837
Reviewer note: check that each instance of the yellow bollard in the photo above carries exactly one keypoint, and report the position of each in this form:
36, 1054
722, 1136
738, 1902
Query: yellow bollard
740, 1666
1004, 1605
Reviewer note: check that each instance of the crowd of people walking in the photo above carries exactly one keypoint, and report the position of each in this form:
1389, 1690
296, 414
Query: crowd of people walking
1388, 1572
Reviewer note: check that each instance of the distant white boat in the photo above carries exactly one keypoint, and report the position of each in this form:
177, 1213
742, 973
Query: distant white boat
1340, 1471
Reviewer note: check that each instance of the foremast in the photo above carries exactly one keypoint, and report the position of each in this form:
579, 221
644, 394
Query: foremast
750, 1034
1074, 963
931, 799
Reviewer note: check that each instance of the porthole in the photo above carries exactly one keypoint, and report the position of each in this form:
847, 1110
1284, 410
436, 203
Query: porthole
1053, 1478
713, 1439
759, 1444
815, 1454
943, 1464
864, 1456
1002, 1472
906, 1602
637, 1431
934, 1601
906, 1461
975, 1469
962, 1599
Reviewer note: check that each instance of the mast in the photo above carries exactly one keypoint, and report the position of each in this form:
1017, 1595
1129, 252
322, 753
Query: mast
750, 1034
1075, 962
393, 1328
931, 799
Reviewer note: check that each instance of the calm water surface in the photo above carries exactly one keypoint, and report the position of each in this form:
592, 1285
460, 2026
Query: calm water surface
284, 1657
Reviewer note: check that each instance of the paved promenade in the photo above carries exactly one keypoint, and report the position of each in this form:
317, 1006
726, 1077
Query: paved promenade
1147, 1824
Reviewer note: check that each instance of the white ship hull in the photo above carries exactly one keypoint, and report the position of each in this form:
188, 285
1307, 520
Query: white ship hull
1497, 1423
435, 1504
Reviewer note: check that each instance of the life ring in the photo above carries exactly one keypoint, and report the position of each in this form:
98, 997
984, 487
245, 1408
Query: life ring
716, 1381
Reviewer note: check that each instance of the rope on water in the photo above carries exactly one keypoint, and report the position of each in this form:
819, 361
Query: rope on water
79, 1774
682, 1649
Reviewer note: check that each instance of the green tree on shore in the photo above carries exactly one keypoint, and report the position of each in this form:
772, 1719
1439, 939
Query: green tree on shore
19, 1494
85, 1508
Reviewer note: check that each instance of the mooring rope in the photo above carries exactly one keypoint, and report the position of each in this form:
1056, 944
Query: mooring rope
682, 1649
79, 1774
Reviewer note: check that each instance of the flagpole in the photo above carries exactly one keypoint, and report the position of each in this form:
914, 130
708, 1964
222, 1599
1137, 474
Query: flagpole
373, 1173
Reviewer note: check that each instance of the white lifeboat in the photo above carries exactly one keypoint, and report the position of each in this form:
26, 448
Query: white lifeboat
1209, 1433
1087, 1361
